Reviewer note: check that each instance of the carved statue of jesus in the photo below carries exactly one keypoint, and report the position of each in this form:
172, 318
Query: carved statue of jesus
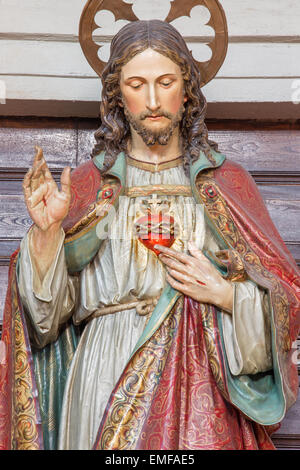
162, 254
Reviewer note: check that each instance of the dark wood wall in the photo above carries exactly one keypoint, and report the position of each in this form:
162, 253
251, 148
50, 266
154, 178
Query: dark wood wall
270, 151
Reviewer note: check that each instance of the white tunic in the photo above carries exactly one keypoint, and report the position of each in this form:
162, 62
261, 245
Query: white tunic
122, 271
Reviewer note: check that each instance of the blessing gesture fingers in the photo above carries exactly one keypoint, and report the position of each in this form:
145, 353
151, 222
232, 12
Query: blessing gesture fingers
46, 204
195, 276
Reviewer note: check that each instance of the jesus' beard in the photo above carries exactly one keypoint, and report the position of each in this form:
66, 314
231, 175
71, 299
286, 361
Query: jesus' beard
152, 137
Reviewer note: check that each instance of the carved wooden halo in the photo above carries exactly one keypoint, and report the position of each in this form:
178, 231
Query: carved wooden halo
123, 11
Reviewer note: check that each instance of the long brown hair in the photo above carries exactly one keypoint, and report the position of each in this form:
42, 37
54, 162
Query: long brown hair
114, 132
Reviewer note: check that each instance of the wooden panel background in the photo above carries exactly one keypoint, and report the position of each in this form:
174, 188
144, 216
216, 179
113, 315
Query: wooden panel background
270, 151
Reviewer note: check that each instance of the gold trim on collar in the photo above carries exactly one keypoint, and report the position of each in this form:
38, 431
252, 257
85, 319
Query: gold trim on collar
166, 189
154, 167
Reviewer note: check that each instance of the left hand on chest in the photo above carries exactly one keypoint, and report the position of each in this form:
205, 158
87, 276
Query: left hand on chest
195, 276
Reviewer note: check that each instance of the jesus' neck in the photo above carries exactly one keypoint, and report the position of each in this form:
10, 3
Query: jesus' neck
154, 153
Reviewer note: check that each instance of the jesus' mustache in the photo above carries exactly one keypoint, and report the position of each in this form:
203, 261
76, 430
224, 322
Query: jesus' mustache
154, 136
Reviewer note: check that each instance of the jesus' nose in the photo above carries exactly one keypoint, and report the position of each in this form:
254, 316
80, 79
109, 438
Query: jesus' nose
153, 100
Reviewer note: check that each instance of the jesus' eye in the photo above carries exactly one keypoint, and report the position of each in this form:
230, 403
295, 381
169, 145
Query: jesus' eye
166, 83
136, 85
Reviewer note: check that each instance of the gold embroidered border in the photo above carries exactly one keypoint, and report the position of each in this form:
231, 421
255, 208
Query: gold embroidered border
25, 432
164, 189
209, 331
220, 215
154, 167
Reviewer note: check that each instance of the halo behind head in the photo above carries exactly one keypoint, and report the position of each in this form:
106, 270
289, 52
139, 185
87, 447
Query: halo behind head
123, 10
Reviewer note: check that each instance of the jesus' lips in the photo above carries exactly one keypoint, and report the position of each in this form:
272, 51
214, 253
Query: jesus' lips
155, 118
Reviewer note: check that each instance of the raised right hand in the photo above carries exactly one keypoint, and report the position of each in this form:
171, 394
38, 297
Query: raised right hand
47, 206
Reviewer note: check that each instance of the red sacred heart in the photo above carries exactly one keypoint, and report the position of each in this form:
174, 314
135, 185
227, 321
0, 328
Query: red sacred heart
156, 229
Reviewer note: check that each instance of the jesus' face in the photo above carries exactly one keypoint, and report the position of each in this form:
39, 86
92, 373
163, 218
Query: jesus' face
153, 96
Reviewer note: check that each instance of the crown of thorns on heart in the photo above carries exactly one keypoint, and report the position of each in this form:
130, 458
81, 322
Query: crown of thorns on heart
178, 8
